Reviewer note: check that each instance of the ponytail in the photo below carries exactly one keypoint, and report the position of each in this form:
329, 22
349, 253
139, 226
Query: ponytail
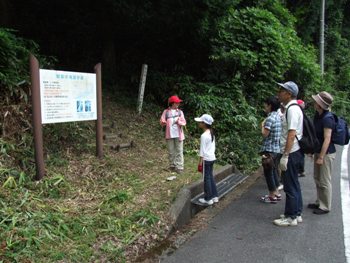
212, 133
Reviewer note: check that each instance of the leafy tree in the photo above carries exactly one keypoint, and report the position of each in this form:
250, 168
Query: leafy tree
256, 49
14, 62
224, 56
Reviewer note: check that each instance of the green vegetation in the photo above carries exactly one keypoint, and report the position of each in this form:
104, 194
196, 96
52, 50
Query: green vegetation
87, 209
84, 209
250, 45
222, 57
14, 53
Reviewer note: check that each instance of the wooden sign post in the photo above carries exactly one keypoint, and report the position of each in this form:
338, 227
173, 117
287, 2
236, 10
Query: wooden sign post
36, 106
64, 96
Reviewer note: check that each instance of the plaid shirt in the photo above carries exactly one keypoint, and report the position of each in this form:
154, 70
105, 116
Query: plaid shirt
272, 142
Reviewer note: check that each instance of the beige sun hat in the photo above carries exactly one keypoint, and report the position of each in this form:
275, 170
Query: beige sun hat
323, 99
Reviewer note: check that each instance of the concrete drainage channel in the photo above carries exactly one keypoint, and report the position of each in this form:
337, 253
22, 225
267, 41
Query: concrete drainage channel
186, 205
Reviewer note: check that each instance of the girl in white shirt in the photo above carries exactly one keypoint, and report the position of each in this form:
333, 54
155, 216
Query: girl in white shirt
207, 159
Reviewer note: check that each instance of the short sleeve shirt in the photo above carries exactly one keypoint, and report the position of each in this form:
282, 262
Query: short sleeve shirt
294, 121
321, 122
272, 142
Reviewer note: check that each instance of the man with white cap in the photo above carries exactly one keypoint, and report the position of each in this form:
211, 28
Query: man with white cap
291, 161
324, 125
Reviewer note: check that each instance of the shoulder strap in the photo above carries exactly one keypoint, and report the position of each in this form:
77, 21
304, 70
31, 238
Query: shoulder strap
293, 104
167, 116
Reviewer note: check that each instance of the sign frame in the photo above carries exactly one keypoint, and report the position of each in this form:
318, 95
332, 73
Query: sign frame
37, 118
67, 96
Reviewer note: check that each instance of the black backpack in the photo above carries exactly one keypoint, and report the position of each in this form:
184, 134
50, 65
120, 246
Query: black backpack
309, 143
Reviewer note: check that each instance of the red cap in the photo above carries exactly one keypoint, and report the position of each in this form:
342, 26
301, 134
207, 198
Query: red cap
174, 99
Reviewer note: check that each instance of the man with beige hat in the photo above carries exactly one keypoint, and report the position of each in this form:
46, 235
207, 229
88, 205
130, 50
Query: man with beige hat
323, 159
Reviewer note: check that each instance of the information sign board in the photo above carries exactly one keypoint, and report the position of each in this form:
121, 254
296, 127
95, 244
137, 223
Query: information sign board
67, 96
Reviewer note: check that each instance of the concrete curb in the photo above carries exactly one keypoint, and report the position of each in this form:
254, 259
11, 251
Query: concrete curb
182, 210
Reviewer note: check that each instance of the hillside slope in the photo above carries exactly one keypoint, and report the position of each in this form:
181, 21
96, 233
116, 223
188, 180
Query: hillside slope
87, 209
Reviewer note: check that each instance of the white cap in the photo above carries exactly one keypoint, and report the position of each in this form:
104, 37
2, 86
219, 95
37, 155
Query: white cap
206, 118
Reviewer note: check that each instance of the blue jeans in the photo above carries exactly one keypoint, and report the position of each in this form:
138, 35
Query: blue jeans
302, 167
210, 190
294, 200
271, 175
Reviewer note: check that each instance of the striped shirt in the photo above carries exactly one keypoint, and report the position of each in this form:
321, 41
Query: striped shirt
272, 142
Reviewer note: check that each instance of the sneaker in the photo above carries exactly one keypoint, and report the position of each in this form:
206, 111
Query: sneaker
299, 218
279, 197
205, 202
216, 199
268, 199
280, 188
302, 174
286, 222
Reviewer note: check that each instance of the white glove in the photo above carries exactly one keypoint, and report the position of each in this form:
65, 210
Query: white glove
284, 163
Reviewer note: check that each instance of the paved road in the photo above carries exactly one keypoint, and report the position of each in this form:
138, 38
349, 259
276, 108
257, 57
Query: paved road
244, 232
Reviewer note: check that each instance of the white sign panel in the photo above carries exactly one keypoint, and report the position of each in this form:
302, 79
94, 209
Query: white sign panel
67, 96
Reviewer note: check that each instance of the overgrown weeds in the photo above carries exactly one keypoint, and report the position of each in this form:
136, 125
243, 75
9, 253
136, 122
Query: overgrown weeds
87, 209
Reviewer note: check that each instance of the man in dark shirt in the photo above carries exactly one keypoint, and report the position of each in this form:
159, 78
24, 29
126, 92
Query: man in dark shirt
324, 125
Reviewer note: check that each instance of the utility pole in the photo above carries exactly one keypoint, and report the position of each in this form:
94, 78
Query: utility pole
323, 6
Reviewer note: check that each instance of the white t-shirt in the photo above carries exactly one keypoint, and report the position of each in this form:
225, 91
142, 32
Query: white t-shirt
174, 128
295, 122
207, 149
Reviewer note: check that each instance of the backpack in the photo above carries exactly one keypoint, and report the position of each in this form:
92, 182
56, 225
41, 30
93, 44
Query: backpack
167, 114
340, 134
309, 143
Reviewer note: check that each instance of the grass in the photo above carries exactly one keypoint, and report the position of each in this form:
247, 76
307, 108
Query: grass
85, 209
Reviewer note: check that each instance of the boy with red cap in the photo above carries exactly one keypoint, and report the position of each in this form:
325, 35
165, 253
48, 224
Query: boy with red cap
174, 120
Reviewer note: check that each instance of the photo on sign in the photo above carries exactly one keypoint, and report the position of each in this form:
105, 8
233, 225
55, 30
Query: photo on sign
87, 106
80, 106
